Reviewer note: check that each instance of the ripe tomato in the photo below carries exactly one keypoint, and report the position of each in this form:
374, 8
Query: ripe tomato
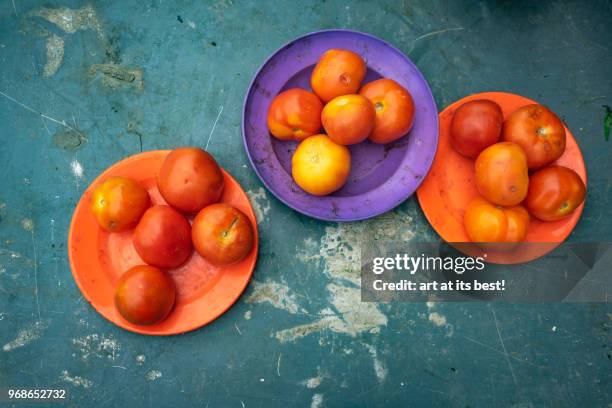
486, 222
338, 72
554, 192
538, 131
190, 179
295, 114
320, 166
475, 126
394, 109
501, 173
118, 203
162, 238
144, 295
348, 119
222, 234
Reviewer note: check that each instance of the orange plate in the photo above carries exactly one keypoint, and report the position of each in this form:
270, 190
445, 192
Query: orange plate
450, 186
98, 258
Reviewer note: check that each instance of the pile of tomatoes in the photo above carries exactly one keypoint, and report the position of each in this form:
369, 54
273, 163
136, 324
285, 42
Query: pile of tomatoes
191, 182
381, 111
515, 171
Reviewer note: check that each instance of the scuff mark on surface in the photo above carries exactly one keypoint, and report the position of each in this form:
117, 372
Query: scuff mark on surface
317, 401
76, 168
27, 224
153, 375
75, 380
71, 20
314, 382
379, 368
26, 336
277, 294
247, 315
115, 76
55, 55
97, 346
140, 359
260, 202
69, 139
437, 319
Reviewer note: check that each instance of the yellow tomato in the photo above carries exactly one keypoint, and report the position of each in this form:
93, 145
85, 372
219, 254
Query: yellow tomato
320, 166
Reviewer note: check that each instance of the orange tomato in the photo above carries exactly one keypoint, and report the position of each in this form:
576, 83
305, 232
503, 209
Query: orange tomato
394, 109
338, 72
554, 192
320, 166
486, 222
118, 203
222, 234
295, 114
348, 119
501, 174
538, 131
144, 295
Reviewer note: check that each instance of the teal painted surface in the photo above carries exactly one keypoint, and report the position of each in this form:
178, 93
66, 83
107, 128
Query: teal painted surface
448, 354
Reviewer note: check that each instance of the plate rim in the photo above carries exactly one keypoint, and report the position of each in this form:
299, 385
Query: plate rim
143, 330
306, 212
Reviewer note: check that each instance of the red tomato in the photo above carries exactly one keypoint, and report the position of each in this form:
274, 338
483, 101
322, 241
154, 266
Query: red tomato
118, 203
295, 114
475, 126
348, 119
144, 295
190, 179
554, 193
162, 238
501, 174
338, 72
222, 234
394, 109
486, 222
538, 131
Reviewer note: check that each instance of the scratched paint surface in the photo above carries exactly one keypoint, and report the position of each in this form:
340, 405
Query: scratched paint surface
84, 85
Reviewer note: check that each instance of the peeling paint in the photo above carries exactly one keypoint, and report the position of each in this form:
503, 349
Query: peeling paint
317, 401
153, 375
379, 368
71, 20
26, 336
247, 315
115, 76
27, 224
75, 380
76, 169
314, 382
97, 346
55, 55
260, 202
277, 294
437, 319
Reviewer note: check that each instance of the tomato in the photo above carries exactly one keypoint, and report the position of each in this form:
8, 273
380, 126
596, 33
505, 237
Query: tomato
190, 179
486, 222
394, 109
162, 238
475, 126
144, 295
338, 72
538, 131
320, 166
222, 234
554, 193
348, 119
295, 114
118, 203
501, 173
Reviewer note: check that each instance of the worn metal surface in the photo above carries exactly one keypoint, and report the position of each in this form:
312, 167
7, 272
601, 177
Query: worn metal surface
115, 78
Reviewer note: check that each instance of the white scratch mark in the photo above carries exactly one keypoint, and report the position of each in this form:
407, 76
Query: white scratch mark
432, 34
42, 115
278, 364
237, 329
379, 368
35, 271
14, 8
501, 340
121, 367
213, 127
76, 168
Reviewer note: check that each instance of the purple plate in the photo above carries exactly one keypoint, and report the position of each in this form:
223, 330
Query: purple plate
382, 176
